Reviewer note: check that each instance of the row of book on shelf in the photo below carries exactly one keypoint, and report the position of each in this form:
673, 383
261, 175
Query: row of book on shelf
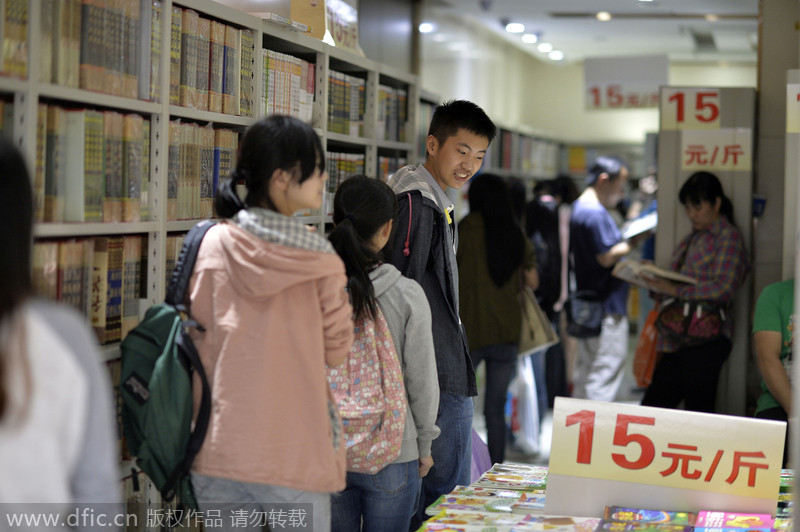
114, 47
104, 277
94, 166
511, 498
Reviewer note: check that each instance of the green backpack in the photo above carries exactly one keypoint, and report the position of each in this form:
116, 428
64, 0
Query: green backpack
158, 361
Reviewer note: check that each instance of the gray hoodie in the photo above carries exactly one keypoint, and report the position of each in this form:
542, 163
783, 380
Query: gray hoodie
408, 316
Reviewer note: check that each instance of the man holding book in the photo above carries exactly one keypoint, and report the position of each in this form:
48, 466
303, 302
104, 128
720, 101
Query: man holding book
596, 245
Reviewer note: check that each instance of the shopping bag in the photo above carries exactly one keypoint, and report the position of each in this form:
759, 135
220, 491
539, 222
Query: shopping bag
691, 323
481, 462
536, 331
645, 357
525, 409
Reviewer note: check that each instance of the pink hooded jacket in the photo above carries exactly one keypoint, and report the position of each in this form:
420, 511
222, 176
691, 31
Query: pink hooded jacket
274, 315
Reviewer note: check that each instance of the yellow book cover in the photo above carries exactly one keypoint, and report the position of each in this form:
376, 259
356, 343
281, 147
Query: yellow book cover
99, 288
175, 56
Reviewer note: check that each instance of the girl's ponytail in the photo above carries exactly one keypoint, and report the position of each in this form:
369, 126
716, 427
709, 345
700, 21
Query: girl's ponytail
357, 262
361, 207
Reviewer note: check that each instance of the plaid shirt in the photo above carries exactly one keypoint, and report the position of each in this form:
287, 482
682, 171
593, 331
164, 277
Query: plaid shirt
717, 258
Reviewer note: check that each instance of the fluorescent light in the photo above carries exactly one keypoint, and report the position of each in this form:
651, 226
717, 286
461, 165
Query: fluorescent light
556, 55
530, 38
603, 16
712, 18
426, 27
545, 47
515, 27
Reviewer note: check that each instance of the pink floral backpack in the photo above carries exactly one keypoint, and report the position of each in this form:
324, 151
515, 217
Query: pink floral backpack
371, 397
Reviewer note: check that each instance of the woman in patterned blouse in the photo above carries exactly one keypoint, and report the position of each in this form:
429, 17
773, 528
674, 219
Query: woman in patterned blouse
714, 254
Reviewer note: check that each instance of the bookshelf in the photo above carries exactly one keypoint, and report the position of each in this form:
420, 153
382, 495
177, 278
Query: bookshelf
374, 122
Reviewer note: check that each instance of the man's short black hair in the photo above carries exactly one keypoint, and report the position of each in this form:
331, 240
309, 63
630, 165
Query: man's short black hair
605, 164
453, 115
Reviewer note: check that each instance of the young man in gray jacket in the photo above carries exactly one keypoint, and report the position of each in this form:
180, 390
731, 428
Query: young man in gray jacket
424, 250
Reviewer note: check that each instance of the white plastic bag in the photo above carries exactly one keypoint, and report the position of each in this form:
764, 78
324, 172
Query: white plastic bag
525, 410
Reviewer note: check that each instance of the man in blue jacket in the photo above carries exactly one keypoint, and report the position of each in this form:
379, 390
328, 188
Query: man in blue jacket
424, 250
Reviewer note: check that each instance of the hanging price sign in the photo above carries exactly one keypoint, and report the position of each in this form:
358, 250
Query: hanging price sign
629, 455
793, 108
624, 82
689, 109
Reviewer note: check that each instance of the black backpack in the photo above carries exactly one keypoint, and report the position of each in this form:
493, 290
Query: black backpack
158, 361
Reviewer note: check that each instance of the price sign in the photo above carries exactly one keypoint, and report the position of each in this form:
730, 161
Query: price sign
718, 150
629, 455
624, 82
689, 109
793, 108
342, 24
620, 96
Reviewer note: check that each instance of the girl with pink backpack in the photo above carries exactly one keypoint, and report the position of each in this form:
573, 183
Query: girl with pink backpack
392, 319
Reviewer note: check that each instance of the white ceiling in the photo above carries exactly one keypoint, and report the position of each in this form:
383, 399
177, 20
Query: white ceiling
678, 28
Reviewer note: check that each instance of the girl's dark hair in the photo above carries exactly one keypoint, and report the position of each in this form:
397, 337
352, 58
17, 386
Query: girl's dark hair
361, 206
505, 241
705, 186
276, 142
16, 219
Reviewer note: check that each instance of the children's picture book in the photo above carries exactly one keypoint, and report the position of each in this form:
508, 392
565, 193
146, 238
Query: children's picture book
638, 273
732, 522
641, 515
466, 499
636, 227
483, 522
514, 476
640, 526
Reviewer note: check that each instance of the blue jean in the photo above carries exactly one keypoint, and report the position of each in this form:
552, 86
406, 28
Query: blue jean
501, 364
451, 452
383, 502
243, 505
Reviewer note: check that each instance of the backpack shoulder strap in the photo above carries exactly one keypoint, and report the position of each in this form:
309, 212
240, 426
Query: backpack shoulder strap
179, 281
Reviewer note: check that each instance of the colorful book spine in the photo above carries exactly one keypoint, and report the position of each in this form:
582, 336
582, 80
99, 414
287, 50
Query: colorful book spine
99, 288
188, 77
41, 149
70, 273
206, 146
131, 282
173, 168
144, 193
113, 46
92, 65
114, 299
175, 57
85, 186
216, 72
231, 81
112, 200
247, 72
132, 167
203, 62
132, 18
55, 179
46, 27
45, 269
15, 39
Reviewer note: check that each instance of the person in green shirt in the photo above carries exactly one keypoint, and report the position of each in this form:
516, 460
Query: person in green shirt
773, 332
494, 257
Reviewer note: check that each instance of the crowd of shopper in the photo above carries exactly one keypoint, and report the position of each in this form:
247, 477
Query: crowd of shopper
280, 307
